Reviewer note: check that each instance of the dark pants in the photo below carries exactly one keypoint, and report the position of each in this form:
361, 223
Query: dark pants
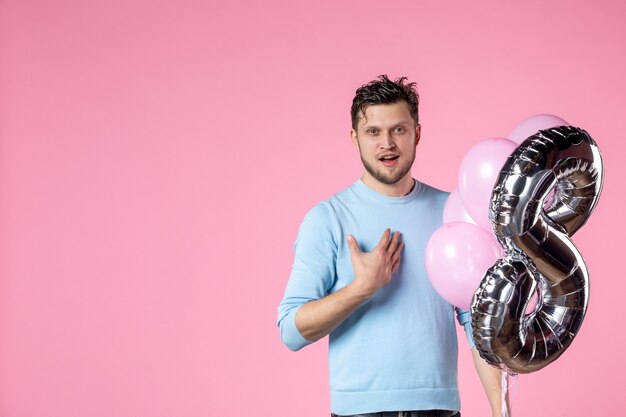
420, 413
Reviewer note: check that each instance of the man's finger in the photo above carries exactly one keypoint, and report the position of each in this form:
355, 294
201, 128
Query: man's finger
397, 250
393, 243
353, 246
384, 240
395, 259
395, 265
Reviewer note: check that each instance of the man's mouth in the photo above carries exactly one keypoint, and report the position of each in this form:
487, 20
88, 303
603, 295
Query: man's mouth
389, 160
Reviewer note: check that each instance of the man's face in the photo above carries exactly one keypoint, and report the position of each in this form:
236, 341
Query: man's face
387, 137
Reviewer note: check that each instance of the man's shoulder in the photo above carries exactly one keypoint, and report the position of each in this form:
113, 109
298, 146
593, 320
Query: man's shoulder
319, 212
427, 188
345, 196
433, 193
320, 222
327, 211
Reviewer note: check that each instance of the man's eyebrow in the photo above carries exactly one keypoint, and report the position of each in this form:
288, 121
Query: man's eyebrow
399, 123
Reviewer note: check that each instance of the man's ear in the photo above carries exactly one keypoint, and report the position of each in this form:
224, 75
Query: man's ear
354, 137
418, 132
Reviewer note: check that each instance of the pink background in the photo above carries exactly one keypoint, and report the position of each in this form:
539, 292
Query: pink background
157, 158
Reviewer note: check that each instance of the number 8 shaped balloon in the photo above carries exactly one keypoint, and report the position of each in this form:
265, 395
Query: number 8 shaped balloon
545, 192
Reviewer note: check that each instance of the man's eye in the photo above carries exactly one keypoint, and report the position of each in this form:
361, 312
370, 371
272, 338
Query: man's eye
372, 131
400, 130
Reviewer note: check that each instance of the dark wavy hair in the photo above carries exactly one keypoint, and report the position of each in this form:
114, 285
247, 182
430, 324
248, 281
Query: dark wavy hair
384, 91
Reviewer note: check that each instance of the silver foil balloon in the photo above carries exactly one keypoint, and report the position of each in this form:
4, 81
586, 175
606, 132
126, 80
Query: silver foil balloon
545, 192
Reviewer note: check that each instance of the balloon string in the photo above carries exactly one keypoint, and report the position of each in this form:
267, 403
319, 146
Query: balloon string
507, 388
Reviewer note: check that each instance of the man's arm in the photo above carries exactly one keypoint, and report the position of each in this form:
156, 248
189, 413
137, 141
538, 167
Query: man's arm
491, 378
372, 271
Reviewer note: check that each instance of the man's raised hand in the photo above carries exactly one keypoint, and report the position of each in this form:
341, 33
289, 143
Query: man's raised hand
373, 270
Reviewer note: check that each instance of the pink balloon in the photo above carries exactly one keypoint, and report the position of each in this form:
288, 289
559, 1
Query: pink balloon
533, 124
478, 174
454, 211
457, 256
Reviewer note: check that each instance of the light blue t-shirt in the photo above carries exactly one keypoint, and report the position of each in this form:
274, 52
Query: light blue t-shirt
398, 350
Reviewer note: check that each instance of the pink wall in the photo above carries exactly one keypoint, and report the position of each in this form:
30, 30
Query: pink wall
157, 158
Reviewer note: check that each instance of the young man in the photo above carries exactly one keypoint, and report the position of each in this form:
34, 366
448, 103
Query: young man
359, 276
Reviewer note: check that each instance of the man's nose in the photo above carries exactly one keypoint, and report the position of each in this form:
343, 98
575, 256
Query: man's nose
387, 141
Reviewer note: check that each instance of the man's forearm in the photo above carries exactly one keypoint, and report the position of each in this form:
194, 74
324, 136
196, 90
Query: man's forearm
318, 318
491, 379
